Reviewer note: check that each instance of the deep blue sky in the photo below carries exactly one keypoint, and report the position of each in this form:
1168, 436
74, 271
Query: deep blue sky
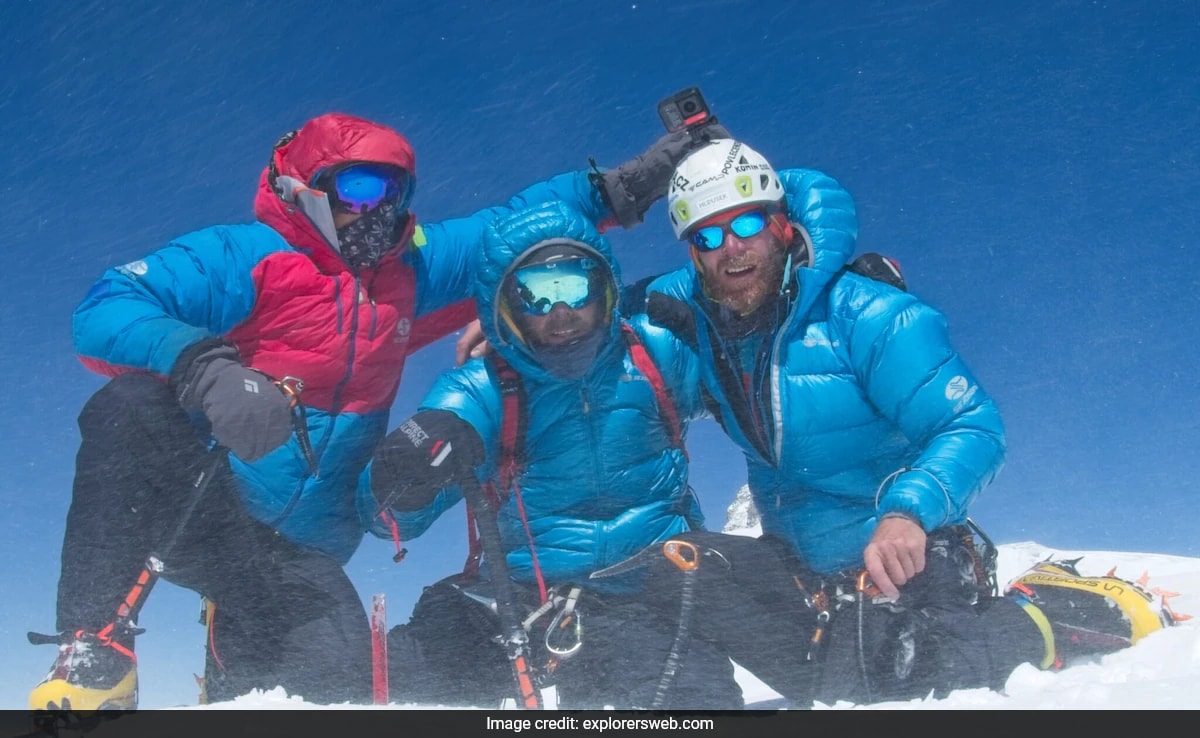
1034, 165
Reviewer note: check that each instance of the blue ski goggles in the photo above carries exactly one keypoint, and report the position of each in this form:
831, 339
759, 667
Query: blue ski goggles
710, 238
357, 188
543, 286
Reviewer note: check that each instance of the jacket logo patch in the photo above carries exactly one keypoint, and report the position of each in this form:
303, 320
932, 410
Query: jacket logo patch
956, 388
960, 391
815, 341
134, 268
403, 328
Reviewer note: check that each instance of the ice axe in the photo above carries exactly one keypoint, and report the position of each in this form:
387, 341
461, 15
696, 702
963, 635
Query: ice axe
512, 633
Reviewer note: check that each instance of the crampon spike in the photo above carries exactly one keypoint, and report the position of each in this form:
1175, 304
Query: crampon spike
1176, 617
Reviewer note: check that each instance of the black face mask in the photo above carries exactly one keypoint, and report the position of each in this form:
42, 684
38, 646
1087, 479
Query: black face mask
572, 361
364, 242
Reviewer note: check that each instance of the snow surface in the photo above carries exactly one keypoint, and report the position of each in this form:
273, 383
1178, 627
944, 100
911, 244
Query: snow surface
1161, 672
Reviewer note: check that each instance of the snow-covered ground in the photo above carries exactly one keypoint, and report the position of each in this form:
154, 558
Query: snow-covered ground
1161, 672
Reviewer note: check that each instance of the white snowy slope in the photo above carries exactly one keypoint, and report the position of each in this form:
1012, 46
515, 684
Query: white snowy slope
1161, 672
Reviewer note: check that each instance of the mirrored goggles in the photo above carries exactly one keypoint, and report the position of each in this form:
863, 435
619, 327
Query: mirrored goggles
358, 188
710, 238
543, 286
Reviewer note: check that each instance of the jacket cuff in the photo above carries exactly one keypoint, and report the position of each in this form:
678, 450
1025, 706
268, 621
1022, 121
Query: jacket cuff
183, 369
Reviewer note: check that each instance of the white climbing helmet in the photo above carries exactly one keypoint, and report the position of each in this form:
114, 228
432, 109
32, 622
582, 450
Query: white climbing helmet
723, 175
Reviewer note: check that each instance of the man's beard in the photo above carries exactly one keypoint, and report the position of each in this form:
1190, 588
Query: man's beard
743, 299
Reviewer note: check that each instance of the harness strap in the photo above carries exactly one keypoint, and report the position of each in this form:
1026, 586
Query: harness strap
513, 422
510, 463
662, 394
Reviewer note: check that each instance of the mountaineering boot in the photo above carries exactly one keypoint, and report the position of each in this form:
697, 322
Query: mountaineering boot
92, 672
1083, 616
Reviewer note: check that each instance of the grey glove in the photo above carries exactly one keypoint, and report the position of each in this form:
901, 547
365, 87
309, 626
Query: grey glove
630, 189
249, 415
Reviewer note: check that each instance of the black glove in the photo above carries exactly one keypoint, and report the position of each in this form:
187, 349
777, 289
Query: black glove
879, 268
249, 415
630, 189
429, 451
673, 314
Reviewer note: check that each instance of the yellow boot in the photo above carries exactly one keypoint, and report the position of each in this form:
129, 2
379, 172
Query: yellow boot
1081, 616
90, 673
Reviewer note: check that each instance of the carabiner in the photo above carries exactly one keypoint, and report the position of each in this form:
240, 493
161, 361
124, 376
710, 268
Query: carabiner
683, 554
567, 623
291, 387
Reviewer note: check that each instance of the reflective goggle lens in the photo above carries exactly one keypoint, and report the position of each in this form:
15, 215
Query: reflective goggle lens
361, 187
543, 286
710, 238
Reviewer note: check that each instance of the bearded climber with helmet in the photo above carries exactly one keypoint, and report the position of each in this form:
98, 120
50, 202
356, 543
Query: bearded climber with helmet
253, 370
866, 438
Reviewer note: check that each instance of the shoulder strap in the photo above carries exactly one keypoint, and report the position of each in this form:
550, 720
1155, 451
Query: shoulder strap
512, 421
512, 450
662, 394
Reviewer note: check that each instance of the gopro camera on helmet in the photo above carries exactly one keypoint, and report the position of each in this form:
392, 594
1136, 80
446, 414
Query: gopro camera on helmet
684, 109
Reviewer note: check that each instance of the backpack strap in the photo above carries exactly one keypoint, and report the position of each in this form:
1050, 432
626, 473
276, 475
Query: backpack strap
662, 394
512, 451
513, 420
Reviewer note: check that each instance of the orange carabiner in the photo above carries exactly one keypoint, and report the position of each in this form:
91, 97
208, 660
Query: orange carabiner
682, 554
292, 387
866, 586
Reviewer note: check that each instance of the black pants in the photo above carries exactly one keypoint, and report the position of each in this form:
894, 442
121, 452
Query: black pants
145, 485
447, 654
943, 633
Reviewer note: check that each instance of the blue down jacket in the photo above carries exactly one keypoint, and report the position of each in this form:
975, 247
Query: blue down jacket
602, 479
865, 406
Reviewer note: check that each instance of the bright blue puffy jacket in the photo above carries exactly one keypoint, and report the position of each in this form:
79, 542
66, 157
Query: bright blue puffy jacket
867, 408
601, 479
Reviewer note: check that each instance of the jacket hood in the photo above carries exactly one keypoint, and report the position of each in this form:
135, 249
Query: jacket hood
326, 140
506, 241
825, 218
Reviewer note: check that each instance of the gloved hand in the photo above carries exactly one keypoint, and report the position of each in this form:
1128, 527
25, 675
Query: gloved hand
631, 188
429, 451
880, 268
249, 415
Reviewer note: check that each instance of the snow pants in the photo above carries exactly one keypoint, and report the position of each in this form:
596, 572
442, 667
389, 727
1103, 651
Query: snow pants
145, 484
816, 639
448, 655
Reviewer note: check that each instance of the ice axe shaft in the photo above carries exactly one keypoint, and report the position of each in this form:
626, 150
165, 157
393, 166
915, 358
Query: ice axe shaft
513, 635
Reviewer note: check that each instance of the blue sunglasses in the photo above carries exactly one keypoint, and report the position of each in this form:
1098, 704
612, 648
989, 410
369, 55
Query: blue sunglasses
358, 188
710, 238
543, 286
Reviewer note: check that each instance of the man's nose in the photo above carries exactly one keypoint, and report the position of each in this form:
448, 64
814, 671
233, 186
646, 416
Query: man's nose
733, 244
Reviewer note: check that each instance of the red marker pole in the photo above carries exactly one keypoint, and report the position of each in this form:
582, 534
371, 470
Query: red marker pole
379, 664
